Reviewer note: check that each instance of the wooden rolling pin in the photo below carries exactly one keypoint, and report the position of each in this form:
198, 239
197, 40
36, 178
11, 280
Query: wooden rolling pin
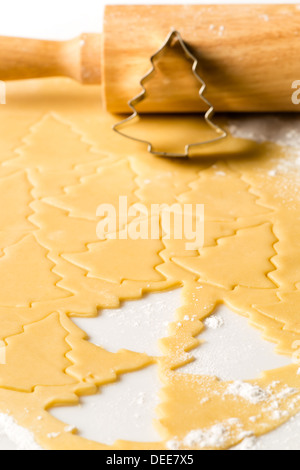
248, 56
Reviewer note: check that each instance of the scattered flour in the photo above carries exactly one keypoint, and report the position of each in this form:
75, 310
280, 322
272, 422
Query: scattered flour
283, 130
173, 445
265, 18
53, 435
251, 393
20, 436
141, 398
70, 428
214, 322
221, 30
277, 414
216, 436
249, 443
286, 392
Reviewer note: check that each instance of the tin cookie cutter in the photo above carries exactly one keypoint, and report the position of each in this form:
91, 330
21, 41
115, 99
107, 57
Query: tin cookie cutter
141, 96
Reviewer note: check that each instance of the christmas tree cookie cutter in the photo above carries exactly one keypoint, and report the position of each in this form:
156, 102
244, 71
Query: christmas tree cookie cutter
173, 35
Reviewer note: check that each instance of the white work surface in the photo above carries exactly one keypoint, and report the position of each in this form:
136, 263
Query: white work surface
126, 409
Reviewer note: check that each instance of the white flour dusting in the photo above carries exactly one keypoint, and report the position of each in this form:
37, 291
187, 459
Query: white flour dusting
249, 443
70, 428
173, 445
251, 393
53, 435
20, 436
283, 130
266, 18
216, 436
286, 392
214, 322
221, 30
277, 414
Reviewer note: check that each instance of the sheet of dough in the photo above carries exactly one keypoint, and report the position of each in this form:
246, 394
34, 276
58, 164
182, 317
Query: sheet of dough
59, 160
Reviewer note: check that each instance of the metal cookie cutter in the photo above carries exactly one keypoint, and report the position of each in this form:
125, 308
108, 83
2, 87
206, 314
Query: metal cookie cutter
141, 96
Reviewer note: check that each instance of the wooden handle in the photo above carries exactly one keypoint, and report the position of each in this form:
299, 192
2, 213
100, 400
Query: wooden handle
248, 56
79, 58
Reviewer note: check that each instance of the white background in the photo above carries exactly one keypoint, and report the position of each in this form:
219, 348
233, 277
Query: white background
127, 407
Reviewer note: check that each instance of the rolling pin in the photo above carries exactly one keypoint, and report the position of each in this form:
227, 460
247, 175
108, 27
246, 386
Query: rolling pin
248, 56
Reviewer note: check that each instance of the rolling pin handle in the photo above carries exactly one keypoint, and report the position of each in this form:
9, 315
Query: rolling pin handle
78, 58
